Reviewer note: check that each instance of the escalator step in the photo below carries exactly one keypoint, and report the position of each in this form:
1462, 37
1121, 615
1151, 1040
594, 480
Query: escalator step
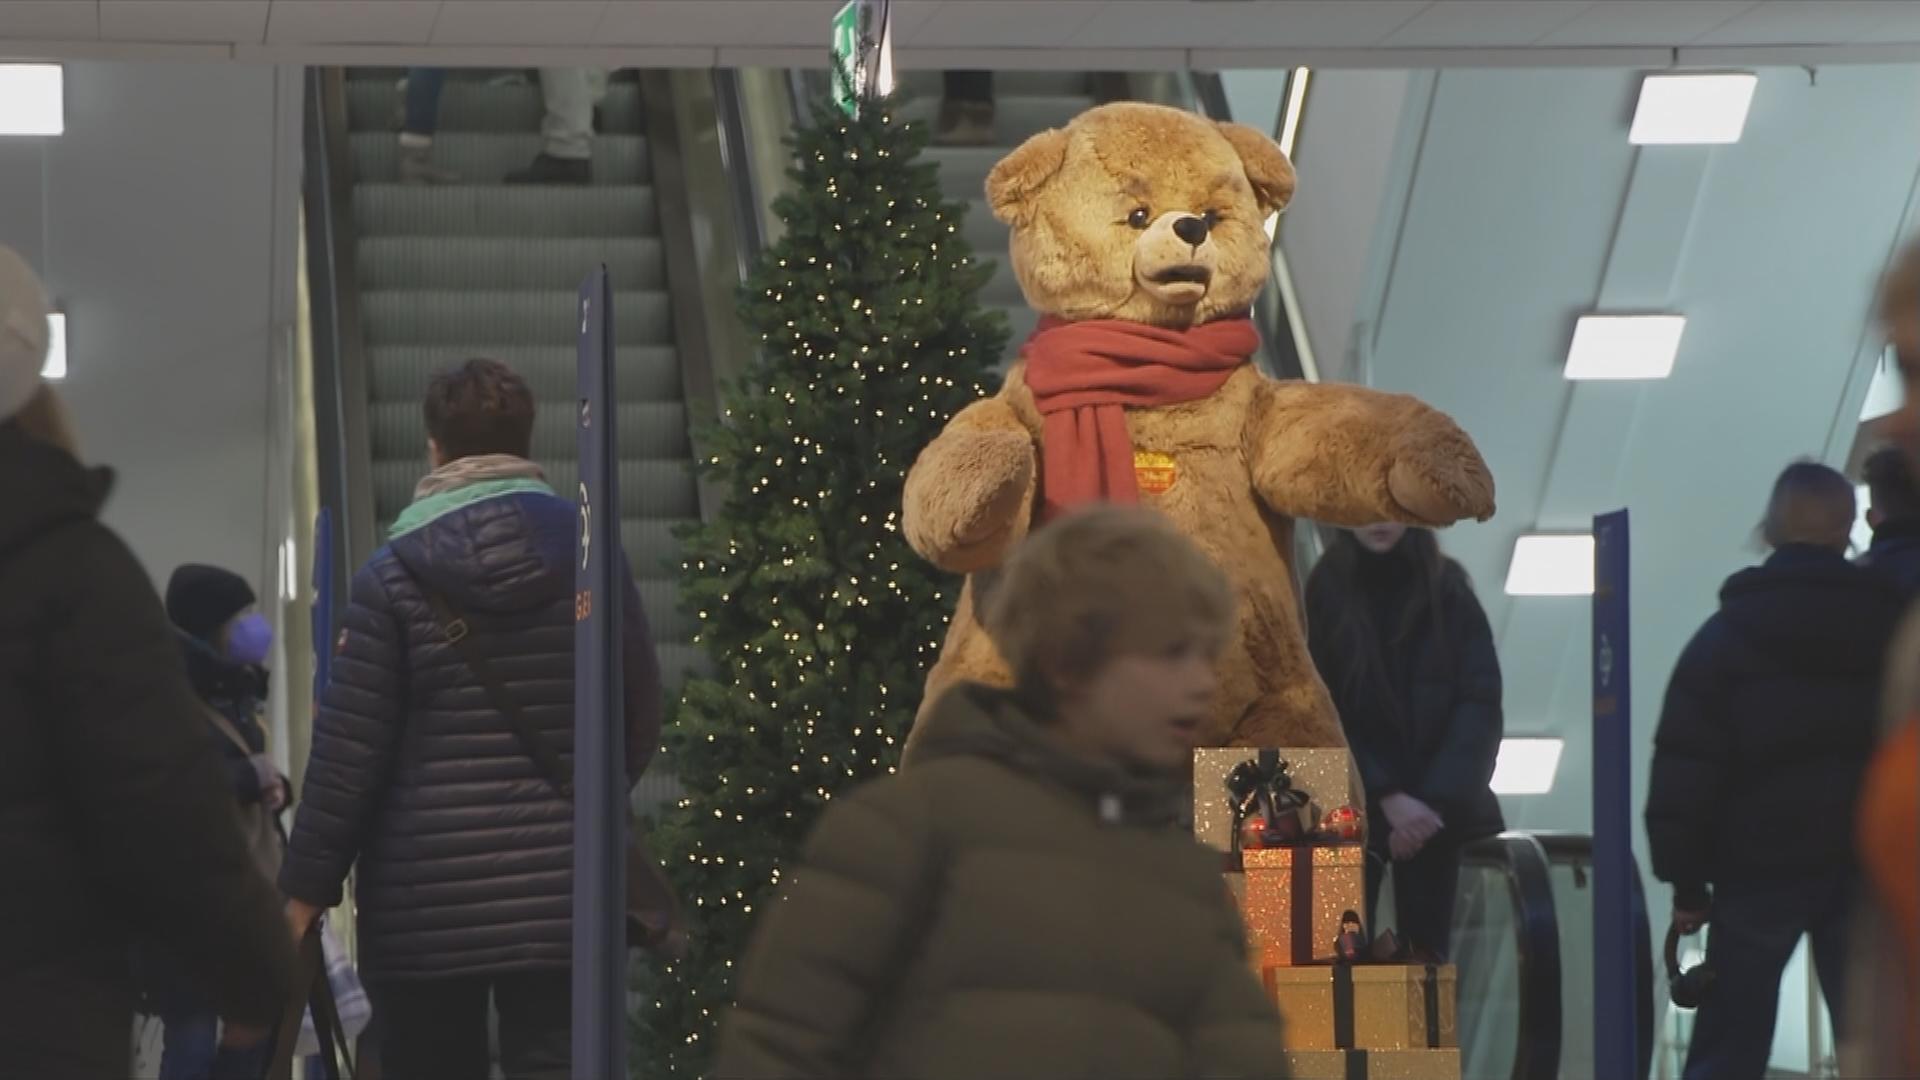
480, 158
1015, 116
465, 105
507, 262
604, 210
652, 549
924, 83
661, 598
963, 169
647, 430
399, 373
409, 317
983, 233
658, 488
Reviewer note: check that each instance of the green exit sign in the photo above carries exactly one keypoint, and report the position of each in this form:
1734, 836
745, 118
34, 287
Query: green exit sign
863, 49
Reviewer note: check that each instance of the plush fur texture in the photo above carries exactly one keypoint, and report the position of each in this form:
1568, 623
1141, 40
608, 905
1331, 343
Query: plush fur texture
1093, 209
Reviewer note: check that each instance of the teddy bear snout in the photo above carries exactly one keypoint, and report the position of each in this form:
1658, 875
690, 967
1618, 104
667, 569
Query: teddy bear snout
1191, 229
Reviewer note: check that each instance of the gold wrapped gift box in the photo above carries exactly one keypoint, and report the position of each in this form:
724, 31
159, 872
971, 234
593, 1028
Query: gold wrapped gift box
1372, 1064
1390, 1007
1328, 776
1331, 881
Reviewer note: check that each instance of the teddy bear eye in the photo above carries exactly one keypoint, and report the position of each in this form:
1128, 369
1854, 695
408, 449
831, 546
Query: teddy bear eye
1138, 219
1213, 217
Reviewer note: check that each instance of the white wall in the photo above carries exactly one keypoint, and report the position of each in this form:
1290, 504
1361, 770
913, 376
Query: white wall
163, 222
153, 222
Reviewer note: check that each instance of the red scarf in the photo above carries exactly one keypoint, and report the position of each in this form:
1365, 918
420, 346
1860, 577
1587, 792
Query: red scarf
1085, 375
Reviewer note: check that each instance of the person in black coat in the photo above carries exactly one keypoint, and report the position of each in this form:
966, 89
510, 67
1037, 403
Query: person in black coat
464, 849
1894, 513
1767, 728
115, 821
1406, 651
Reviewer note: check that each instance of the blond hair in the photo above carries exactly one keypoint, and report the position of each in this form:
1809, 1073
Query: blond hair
1099, 583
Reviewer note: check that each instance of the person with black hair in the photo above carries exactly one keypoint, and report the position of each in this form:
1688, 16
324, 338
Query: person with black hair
1408, 655
1768, 724
1893, 511
462, 837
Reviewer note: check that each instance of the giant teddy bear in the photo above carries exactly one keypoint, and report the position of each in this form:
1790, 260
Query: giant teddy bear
1138, 234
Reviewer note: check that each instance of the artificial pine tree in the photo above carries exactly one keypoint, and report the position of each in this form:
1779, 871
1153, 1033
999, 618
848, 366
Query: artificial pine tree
819, 622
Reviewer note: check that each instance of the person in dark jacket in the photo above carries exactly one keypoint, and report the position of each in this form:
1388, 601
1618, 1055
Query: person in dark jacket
225, 645
1405, 648
1893, 511
464, 849
115, 821
1769, 721
1018, 901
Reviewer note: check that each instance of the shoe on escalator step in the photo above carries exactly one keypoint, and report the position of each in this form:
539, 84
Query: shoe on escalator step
964, 123
547, 169
417, 167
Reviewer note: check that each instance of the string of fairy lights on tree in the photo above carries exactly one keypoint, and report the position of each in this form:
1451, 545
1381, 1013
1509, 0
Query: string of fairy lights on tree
819, 622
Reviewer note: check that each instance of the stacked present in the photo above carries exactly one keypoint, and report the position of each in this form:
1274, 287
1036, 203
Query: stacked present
1294, 846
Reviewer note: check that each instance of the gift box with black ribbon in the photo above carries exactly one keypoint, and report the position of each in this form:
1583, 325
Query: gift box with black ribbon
1297, 901
1372, 1064
1366, 1006
1327, 783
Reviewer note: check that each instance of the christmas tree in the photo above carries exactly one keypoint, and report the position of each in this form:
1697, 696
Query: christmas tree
819, 621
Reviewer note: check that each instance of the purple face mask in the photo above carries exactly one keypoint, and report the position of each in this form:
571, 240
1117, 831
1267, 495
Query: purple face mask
249, 639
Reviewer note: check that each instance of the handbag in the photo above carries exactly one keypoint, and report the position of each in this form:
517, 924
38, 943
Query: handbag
652, 915
266, 842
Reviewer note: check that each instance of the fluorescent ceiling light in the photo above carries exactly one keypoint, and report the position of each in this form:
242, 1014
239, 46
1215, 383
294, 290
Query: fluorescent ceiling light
1526, 766
1624, 346
1551, 566
1692, 109
55, 368
32, 99
1861, 537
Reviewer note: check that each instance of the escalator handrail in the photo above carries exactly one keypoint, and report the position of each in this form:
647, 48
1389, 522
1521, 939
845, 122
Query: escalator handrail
339, 357
731, 112
1572, 847
1523, 861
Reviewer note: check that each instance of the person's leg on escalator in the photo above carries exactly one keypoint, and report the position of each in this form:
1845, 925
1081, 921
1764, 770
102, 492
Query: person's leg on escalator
536, 1024
421, 120
966, 109
566, 130
1750, 938
432, 1029
1830, 920
1424, 891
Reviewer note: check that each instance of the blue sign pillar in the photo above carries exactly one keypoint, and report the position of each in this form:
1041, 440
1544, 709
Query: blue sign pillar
1615, 1056
599, 774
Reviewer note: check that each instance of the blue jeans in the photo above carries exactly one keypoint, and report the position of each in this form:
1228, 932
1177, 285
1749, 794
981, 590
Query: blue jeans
423, 99
1752, 936
191, 1050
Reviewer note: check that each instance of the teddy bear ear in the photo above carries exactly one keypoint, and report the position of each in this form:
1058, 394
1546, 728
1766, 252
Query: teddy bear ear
1020, 175
1267, 166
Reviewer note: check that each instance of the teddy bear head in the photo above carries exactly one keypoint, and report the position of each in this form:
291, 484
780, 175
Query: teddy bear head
1143, 213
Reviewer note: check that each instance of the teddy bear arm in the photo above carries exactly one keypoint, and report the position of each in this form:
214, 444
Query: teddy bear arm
1346, 455
969, 496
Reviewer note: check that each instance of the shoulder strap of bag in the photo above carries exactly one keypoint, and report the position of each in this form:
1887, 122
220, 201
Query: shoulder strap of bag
226, 728
311, 989
459, 635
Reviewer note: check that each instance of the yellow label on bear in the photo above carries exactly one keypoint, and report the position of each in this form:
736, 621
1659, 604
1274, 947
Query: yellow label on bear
1154, 472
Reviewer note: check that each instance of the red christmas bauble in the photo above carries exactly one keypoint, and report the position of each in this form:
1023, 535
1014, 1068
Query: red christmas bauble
1345, 822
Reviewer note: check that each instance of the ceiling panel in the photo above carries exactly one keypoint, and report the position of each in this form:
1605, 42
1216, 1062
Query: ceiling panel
1459, 24
961, 24
183, 20
551, 22
1646, 22
49, 20
352, 22
717, 22
1249, 24
1822, 22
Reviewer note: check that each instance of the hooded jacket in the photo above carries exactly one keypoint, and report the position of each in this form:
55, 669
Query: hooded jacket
116, 819
1001, 908
1768, 724
465, 850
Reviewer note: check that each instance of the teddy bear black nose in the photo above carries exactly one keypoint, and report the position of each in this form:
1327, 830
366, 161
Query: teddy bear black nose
1191, 229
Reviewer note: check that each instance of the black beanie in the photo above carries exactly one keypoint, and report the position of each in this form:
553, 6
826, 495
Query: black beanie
200, 599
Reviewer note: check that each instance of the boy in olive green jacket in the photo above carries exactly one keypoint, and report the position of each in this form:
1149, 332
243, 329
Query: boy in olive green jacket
1019, 901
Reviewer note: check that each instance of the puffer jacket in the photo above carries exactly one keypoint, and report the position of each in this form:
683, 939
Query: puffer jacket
116, 819
1001, 909
1769, 721
465, 851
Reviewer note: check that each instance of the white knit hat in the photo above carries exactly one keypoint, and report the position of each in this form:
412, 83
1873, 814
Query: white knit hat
23, 332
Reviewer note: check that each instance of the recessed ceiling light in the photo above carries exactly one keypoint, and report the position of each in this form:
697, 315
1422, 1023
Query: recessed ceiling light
1526, 766
1624, 346
55, 367
1678, 109
1551, 565
32, 99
